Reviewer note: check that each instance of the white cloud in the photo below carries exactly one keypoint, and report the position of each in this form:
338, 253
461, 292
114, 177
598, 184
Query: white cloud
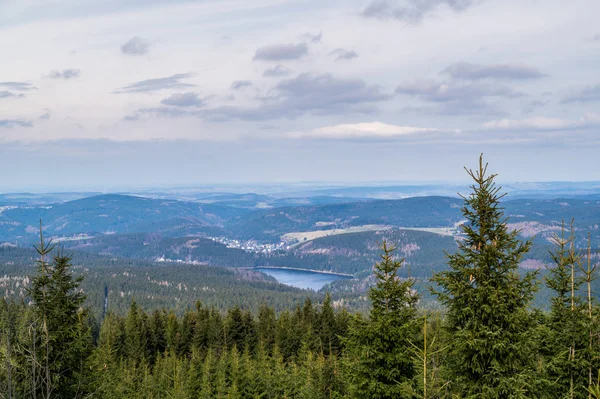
543, 123
366, 130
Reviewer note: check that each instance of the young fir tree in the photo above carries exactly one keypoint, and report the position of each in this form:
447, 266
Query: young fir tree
566, 345
487, 300
380, 364
69, 328
61, 325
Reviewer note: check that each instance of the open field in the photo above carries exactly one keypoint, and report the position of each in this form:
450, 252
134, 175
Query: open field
304, 236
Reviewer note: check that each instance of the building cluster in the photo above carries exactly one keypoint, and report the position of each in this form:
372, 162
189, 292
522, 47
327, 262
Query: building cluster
251, 245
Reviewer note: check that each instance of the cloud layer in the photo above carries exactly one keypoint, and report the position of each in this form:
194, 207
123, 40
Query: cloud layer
466, 70
281, 52
276, 71
342, 54
465, 73
189, 99
412, 11
152, 85
64, 74
587, 94
136, 46
308, 93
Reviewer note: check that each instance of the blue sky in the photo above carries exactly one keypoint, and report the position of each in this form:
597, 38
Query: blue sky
107, 93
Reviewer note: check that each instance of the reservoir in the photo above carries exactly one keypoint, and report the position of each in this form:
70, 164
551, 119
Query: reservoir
301, 278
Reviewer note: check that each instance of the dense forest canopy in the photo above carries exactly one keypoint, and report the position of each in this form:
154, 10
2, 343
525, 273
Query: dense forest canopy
488, 340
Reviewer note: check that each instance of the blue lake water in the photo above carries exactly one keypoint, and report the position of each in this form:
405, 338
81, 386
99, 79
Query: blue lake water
301, 278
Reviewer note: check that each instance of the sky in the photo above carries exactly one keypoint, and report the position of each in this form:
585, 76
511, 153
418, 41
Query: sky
150, 93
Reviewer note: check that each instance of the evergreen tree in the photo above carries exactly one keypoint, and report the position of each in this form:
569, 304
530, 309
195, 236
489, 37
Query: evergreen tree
104, 362
567, 348
136, 334
266, 326
61, 325
380, 364
487, 301
70, 331
327, 327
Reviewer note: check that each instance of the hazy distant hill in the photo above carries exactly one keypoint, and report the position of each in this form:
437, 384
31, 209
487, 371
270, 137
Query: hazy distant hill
150, 228
106, 214
410, 212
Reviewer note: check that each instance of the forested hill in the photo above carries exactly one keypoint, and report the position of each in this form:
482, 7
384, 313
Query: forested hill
154, 286
410, 212
110, 214
226, 229
234, 218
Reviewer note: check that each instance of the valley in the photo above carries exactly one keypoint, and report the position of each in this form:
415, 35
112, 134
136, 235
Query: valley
265, 238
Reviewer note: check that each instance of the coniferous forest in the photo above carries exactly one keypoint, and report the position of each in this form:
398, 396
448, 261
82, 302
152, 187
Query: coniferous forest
486, 342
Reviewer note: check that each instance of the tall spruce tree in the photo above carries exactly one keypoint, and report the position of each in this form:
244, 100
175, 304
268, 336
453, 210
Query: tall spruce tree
61, 323
380, 364
487, 300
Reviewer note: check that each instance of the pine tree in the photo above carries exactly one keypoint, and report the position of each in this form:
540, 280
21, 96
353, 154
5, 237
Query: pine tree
69, 329
266, 326
41, 341
380, 361
62, 327
487, 301
566, 368
104, 362
136, 334
206, 380
327, 327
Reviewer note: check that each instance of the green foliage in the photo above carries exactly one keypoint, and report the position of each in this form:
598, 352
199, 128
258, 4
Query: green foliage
190, 331
379, 364
568, 347
491, 346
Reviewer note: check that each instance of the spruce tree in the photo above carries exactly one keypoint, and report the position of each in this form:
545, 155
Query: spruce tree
69, 328
327, 328
61, 325
567, 347
487, 301
380, 364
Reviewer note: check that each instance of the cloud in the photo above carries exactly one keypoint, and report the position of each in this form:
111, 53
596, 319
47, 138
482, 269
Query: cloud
46, 116
433, 91
136, 46
151, 85
11, 87
64, 74
468, 71
452, 98
313, 38
281, 52
183, 100
10, 123
276, 71
587, 94
8, 94
596, 38
309, 87
240, 84
158, 112
412, 11
543, 123
18, 86
533, 105
367, 130
308, 93
343, 54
